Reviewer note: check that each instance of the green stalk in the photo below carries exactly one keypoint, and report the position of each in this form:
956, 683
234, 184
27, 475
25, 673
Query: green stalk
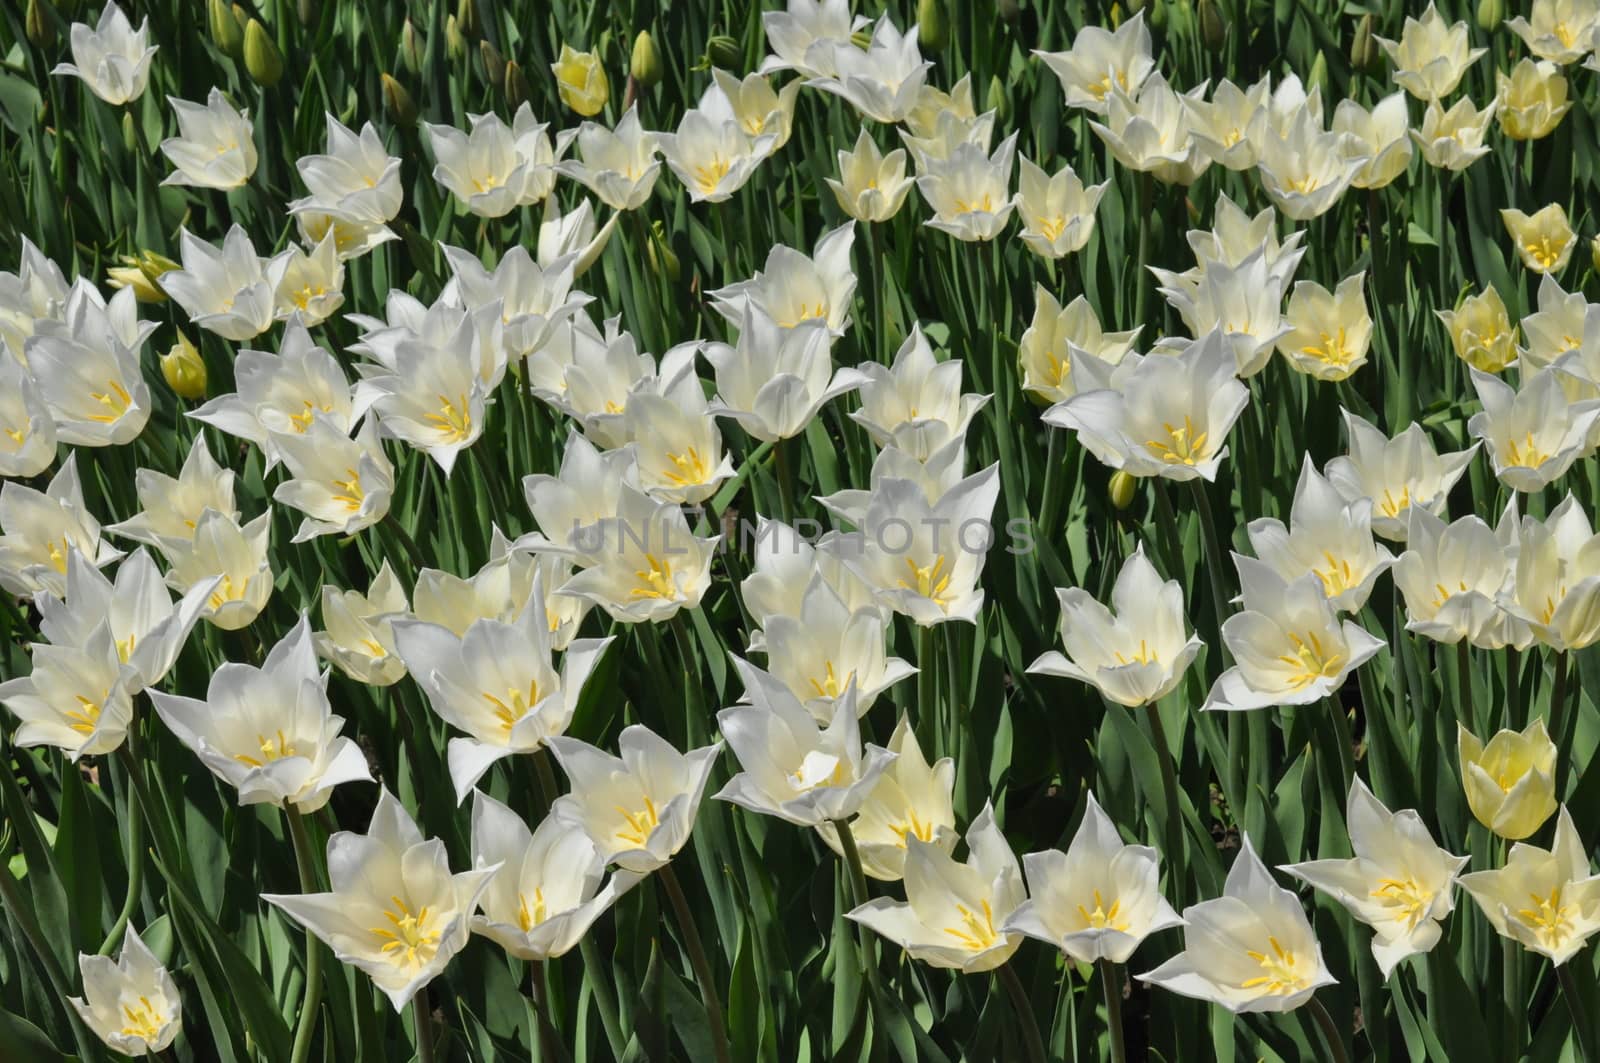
1341, 729
1511, 985
414, 554
541, 1004
927, 728
1023, 1012
1330, 1031
135, 874
1580, 1014
858, 896
1146, 192
422, 1024
1111, 983
697, 959
1214, 558
1558, 723
305, 861
785, 477
1177, 859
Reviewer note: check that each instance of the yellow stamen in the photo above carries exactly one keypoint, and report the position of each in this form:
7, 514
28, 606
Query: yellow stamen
974, 933
408, 940
454, 419
1183, 446
142, 1020
655, 581
514, 705
115, 399
641, 824
1310, 661
931, 581
1103, 918
1281, 977
271, 749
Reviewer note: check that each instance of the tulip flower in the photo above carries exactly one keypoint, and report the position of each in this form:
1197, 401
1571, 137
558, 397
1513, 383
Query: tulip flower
1234, 237
1242, 302
1101, 60
935, 477
1228, 128
1252, 949
1453, 139
775, 379
1327, 536
1430, 57
676, 442
1544, 239
567, 507
572, 234
1545, 899
444, 334
647, 564
228, 290
352, 237
1097, 901
548, 890
1399, 882
1381, 135
785, 563
713, 158
396, 912
1055, 330
1162, 415
883, 81
752, 104
911, 802
215, 146
86, 367
1557, 584
619, 166
131, 1004
148, 630
1534, 435
1561, 325
1057, 211
78, 698
1135, 656
637, 809
1151, 131
269, 732
827, 647
970, 192
1510, 780
1531, 100
794, 288
1288, 644
916, 403
871, 186
341, 485
112, 59
1329, 333
1481, 331
1456, 580
804, 36
581, 81
1395, 475
500, 590
311, 288
1306, 172
355, 179
593, 377
793, 768
955, 914
237, 556
948, 136
494, 168
359, 639
1560, 31
170, 508
40, 529
27, 429
496, 683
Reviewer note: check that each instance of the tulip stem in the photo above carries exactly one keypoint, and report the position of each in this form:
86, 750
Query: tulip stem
135, 873
858, 896
1145, 193
1559, 725
1111, 983
1214, 558
1177, 859
1341, 730
413, 552
928, 732
541, 1005
784, 473
305, 862
1511, 984
1024, 1012
422, 1025
697, 959
1580, 1014
1330, 1031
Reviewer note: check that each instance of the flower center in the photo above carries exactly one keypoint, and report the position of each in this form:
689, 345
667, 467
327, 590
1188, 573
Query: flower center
930, 581
1549, 918
274, 748
86, 717
1525, 453
1338, 577
1144, 655
984, 204
818, 769
1392, 506
115, 399
514, 705
1103, 918
1279, 977
1334, 349
1183, 445
976, 931
639, 825
143, 1020
454, 419
913, 827
1310, 662
408, 940
710, 175
226, 591
830, 684
691, 468
1407, 900
1544, 252
350, 493
655, 580
530, 917
1052, 228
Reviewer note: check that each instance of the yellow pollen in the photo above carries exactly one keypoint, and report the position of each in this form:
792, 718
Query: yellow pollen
1392, 506
142, 1020
931, 581
1183, 446
1281, 977
709, 176
514, 705
408, 940
1103, 918
58, 550
1338, 577
85, 717
1145, 655
350, 493
1310, 661
831, 684
275, 748
1334, 349
486, 183
454, 419
1549, 918
1544, 252
528, 918
226, 592
1444, 592
655, 580
17, 435
125, 647
1306, 185
691, 468
303, 297
914, 827
1406, 898
974, 933
1525, 454
115, 399
983, 204
806, 312
1052, 228
639, 825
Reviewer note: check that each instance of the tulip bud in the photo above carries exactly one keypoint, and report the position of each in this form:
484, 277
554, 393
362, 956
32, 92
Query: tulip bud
184, 369
467, 19
455, 45
262, 59
581, 81
998, 101
516, 86
306, 11
723, 51
41, 32
663, 260
1213, 28
1364, 49
644, 65
410, 47
1318, 78
861, 39
226, 33
1155, 13
1122, 488
494, 64
933, 33
1594, 253
1490, 14
130, 135
397, 102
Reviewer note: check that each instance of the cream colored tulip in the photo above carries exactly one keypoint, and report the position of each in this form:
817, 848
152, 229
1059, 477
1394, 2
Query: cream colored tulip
1545, 899
1381, 134
1544, 239
581, 81
1229, 127
1430, 57
1327, 536
1057, 211
1044, 352
1329, 333
1151, 132
1394, 475
112, 59
215, 146
39, 529
1456, 580
237, 556
1481, 331
358, 638
1534, 435
871, 186
970, 192
1532, 99
1454, 139
1561, 31
132, 1004
1510, 780
912, 800
1101, 61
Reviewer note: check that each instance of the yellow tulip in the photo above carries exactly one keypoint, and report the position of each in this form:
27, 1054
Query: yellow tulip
1533, 99
1482, 332
581, 81
184, 370
1544, 238
1510, 781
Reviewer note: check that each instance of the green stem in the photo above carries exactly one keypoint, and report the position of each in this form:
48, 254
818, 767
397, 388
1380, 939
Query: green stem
604, 1002
305, 861
1580, 1014
547, 777
1330, 1031
1139, 280
858, 896
1341, 729
1514, 714
1111, 983
414, 552
1023, 1012
1049, 505
135, 873
927, 728
785, 477
1176, 857
1214, 558
697, 959
1511, 986
1558, 723
422, 1025
1172, 542
541, 1005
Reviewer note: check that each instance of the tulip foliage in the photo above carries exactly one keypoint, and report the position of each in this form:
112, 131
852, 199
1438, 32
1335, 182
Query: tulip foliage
932, 531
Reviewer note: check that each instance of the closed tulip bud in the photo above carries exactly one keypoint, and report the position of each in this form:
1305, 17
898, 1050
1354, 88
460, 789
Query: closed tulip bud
467, 19
1510, 779
1155, 13
1213, 27
1121, 489
1318, 78
1594, 253
401, 108
516, 86
663, 260
644, 64
410, 47
455, 45
1490, 14
130, 135
262, 60
1364, 49
934, 33
306, 10
184, 369
41, 33
997, 100
226, 33
723, 52
494, 64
